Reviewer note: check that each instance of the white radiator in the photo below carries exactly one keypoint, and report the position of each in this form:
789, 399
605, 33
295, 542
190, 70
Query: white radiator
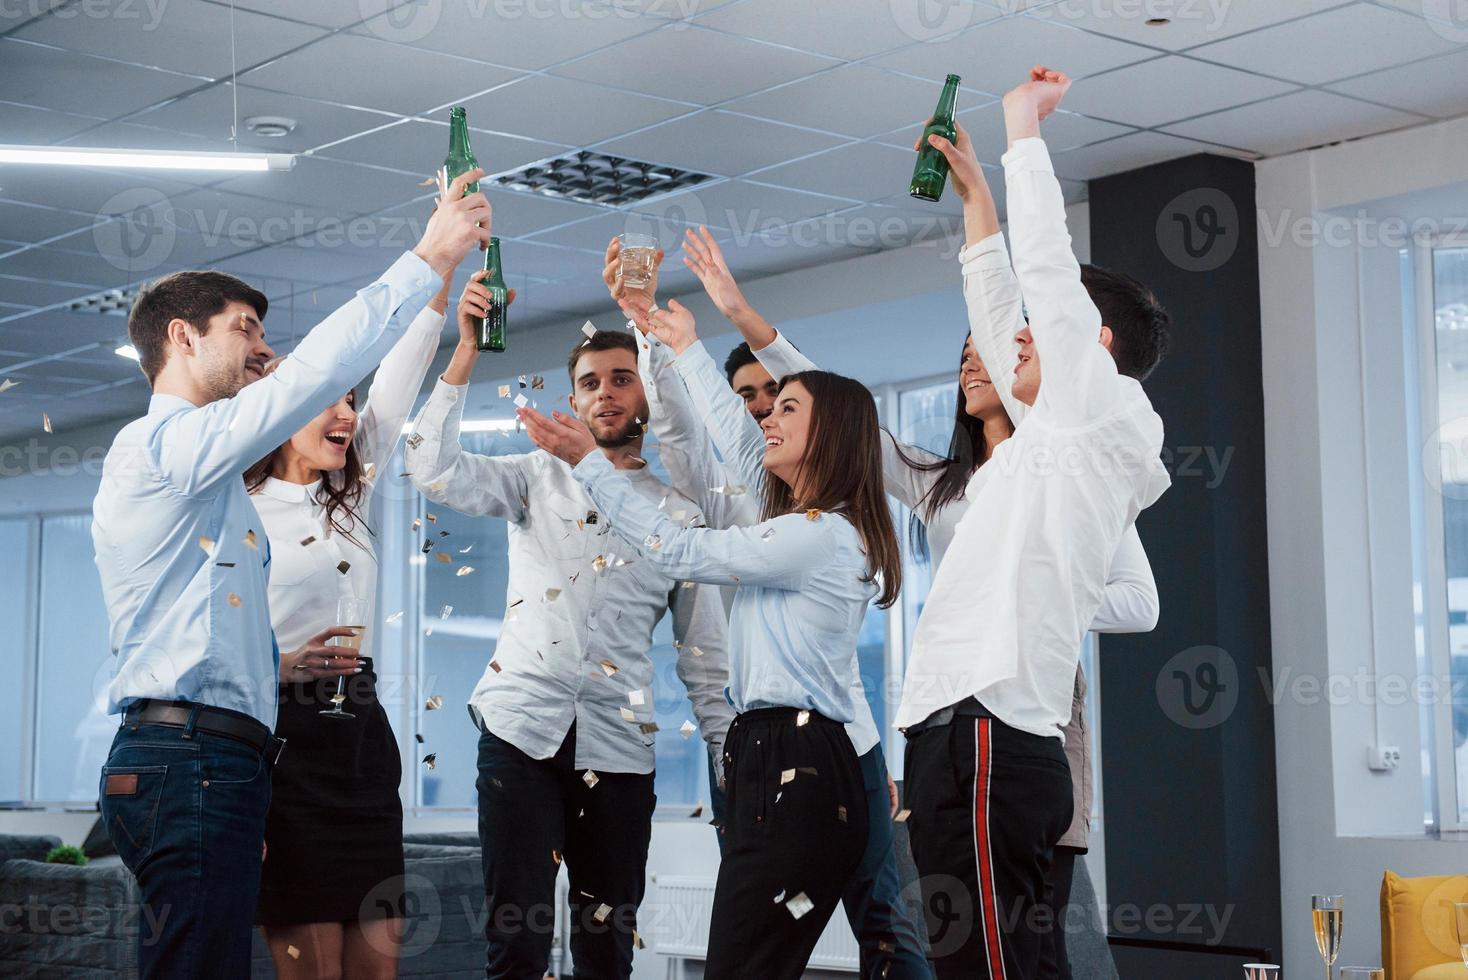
676, 924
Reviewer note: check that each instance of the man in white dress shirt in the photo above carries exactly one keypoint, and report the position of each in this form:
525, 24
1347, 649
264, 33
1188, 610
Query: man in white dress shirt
184, 564
990, 677
566, 704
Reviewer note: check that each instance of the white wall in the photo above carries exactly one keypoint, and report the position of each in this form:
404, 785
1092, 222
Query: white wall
1340, 561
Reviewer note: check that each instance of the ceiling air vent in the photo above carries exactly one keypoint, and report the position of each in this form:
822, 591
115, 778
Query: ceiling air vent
110, 302
595, 178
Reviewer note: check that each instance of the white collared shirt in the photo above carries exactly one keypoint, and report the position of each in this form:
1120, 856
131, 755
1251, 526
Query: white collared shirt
580, 607
1025, 575
312, 564
180, 548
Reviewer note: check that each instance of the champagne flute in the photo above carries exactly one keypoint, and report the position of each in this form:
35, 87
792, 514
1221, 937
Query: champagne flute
1328, 912
352, 612
1261, 971
1460, 921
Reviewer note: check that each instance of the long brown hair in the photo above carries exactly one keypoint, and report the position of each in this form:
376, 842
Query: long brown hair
340, 491
842, 468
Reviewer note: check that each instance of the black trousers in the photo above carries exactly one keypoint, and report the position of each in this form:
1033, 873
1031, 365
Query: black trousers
535, 813
1054, 962
796, 831
988, 803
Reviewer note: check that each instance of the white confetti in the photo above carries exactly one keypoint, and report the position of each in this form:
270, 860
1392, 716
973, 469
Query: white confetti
800, 905
7, 384
551, 595
636, 698
687, 729
627, 714
731, 490
589, 329
602, 911
396, 617
589, 778
464, 570
521, 401
653, 542
802, 719
434, 702
445, 612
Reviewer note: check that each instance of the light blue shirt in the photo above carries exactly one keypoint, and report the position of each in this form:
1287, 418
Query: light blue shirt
180, 548
801, 600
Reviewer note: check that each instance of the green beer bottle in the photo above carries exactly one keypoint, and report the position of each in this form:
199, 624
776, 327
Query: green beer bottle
491, 334
930, 175
461, 156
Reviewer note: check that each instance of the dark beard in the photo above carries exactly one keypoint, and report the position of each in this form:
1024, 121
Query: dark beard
630, 432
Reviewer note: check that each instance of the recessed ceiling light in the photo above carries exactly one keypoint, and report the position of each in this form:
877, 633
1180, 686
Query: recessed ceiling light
270, 127
1158, 21
109, 302
595, 178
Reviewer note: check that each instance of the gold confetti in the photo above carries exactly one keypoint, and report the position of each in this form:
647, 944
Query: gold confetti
7, 384
802, 719
394, 618
602, 911
813, 513
841, 813
234, 600
464, 570
556, 856
431, 760
787, 776
417, 523
343, 565
689, 585
551, 595
608, 667
428, 182
627, 714
432, 518
495, 666
697, 811
637, 940
445, 558
206, 543
589, 778
537, 383
800, 905
648, 727
504, 391
599, 563
307, 541
902, 816
653, 542
46, 422
695, 651
292, 952
368, 470
687, 729
434, 702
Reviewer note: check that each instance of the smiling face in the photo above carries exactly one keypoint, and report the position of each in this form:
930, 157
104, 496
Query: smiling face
232, 353
606, 394
786, 429
980, 398
322, 444
1027, 371
759, 391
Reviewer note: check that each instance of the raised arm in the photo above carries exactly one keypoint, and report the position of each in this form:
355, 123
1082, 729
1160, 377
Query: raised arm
1130, 602
701, 632
1078, 375
480, 486
197, 451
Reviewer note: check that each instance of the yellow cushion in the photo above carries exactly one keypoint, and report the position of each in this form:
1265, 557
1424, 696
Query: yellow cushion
1443, 971
1417, 928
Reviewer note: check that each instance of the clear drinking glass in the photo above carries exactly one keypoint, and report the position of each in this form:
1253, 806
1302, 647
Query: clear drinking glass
1329, 912
1261, 971
1460, 922
638, 252
1362, 973
350, 611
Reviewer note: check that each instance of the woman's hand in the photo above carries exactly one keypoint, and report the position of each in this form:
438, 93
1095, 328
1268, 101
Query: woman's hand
563, 436
316, 658
673, 326
703, 255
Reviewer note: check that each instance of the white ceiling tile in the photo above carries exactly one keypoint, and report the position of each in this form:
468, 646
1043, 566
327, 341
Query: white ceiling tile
31, 292
594, 234
31, 124
334, 15
1331, 45
518, 33
1168, 89
860, 171
210, 114
41, 76
373, 74
997, 55
341, 187
420, 147
985, 126
70, 265
719, 143
584, 113
324, 265
102, 189
743, 207
1295, 121
544, 260
27, 222
183, 37
839, 28
1437, 87
1125, 153
679, 61
1190, 22
238, 222
883, 101
516, 214
131, 136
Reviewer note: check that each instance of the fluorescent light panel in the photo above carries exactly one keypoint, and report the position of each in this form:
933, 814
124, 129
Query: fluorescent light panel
78, 156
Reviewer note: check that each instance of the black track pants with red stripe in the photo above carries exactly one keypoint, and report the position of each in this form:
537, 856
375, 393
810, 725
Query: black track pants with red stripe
988, 804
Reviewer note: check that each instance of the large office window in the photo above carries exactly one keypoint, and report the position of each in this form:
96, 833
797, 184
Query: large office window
16, 536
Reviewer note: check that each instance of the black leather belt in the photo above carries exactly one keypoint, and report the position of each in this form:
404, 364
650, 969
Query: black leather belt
969, 707
215, 721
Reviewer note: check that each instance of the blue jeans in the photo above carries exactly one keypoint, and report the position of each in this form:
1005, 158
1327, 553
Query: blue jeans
186, 811
891, 945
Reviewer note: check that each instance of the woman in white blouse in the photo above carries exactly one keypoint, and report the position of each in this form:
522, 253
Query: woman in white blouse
796, 822
331, 889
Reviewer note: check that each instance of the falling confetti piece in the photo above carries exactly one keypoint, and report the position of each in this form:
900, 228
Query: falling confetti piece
523, 381
678, 515
537, 383
464, 570
841, 813
556, 856
234, 600
697, 811
445, 612
521, 401
46, 422
293, 953
648, 727
599, 563
589, 329
627, 714
428, 182
428, 630
768, 534
495, 666
902, 816
592, 517
732, 490
589, 778
225, 564
653, 542
695, 651
802, 719
206, 543
636, 698
432, 518
551, 595
504, 391
443, 534
780, 897
608, 667
431, 761
800, 905
394, 618
251, 540
414, 441
445, 558
427, 546
419, 737
602, 911
687, 729
307, 541
637, 940
417, 523
787, 776
434, 702
616, 562
466, 550
369, 469
7, 384
813, 514
343, 565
